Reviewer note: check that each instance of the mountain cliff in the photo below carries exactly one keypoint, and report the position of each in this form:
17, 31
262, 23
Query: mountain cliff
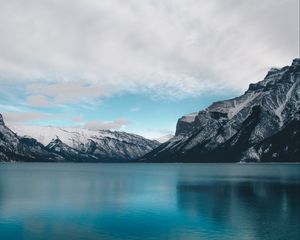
262, 125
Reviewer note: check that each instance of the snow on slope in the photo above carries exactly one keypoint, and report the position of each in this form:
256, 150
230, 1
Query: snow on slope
74, 137
101, 144
69, 136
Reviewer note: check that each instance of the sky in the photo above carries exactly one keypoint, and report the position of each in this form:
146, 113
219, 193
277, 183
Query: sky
133, 65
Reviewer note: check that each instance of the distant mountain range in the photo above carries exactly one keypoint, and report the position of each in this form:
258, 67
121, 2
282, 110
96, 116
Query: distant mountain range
262, 125
34, 143
164, 138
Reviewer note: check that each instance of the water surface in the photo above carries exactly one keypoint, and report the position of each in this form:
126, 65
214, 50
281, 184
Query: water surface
149, 201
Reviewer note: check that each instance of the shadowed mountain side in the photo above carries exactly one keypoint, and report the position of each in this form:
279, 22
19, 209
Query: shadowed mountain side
262, 125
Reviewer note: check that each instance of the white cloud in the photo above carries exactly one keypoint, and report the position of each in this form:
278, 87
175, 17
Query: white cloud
12, 118
105, 125
135, 109
21, 117
166, 48
78, 119
64, 92
38, 101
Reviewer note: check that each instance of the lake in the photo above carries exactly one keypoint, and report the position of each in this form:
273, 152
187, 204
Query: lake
149, 201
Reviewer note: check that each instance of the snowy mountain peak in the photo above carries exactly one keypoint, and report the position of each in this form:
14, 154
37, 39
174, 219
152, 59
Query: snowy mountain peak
88, 145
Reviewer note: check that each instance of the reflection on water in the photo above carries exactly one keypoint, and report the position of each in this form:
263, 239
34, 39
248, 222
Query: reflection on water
149, 201
267, 210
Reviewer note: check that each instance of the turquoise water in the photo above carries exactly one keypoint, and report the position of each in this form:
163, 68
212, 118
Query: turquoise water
149, 201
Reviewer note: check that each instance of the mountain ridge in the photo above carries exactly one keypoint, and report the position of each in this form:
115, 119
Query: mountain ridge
34, 143
214, 134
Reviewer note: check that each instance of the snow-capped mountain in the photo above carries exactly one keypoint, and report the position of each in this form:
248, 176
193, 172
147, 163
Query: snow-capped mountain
260, 125
70, 144
15, 148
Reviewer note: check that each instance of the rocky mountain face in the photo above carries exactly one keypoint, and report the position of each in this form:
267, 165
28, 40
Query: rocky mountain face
33, 143
262, 125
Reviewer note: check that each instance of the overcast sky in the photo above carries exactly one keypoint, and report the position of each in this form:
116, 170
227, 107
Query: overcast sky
135, 65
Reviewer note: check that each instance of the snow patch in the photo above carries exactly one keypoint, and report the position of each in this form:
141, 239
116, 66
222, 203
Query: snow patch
239, 105
278, 111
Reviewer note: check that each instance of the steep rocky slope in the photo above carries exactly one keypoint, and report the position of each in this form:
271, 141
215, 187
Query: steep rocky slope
260, 125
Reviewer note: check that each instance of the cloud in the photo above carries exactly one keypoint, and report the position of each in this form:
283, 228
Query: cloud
79, 119
22, 117
64, 92
135, 109
12, 118
38, 101
171, 48
101, 125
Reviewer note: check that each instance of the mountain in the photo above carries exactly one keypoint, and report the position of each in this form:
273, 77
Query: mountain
81, 145
164, 138
262, 125
15, 148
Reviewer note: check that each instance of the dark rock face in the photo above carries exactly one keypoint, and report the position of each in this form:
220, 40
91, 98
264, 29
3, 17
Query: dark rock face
281, 147
260, 125
8, 142
31, 150
186, 124
68, 153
